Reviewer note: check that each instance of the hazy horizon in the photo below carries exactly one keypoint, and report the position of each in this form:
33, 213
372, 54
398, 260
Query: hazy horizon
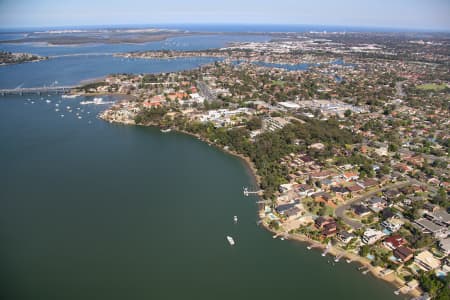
245, 27
432, 15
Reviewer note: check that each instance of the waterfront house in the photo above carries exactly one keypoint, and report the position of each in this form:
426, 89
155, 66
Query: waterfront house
426, 261
345, 236
403, 254
371, 236
288, 209
329, 229
292, 212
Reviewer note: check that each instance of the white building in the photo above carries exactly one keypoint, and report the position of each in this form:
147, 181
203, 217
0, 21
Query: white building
371, 236
392, 224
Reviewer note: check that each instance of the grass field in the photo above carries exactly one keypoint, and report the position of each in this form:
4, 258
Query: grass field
432, 87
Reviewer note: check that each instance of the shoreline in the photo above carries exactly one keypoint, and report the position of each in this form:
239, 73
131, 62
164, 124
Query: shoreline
391, 278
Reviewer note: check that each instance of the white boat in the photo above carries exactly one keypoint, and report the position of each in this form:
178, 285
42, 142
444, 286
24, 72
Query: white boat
48, 101
230, 240
235, 218
96, 101
166, 130
69, 96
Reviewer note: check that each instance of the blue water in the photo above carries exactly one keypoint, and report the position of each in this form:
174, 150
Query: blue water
177, 43
92, 210
68, 65
72, 70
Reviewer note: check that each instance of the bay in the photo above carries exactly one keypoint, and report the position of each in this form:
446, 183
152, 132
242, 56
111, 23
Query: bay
93, 210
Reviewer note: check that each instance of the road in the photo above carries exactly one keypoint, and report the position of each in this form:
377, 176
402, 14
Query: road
340, 210
399, 89
205, 91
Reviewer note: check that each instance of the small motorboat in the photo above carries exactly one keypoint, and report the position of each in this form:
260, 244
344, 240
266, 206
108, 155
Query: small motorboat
230, 240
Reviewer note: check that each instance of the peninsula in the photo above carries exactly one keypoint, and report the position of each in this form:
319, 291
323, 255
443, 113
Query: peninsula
350, 150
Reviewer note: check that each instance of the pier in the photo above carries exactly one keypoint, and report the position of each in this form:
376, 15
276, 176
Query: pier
327, 249
37, 90
338, 257
247, 192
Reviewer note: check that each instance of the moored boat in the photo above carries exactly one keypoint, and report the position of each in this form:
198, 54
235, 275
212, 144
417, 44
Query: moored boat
230, 240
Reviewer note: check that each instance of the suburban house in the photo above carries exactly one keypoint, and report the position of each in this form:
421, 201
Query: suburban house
444, 245
283, 188
329, 229
403, 254
371, 236
440, 216
430, 207
360, 210
393, 242
376, 204
369, 182
320, 222
305, 190
288, 210
354, 188
426, 261
392, 194
339, 190
392, 224
345, 236
349, 176
429, 227
328, 226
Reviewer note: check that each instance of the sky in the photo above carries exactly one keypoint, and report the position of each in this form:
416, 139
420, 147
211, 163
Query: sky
402, 14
